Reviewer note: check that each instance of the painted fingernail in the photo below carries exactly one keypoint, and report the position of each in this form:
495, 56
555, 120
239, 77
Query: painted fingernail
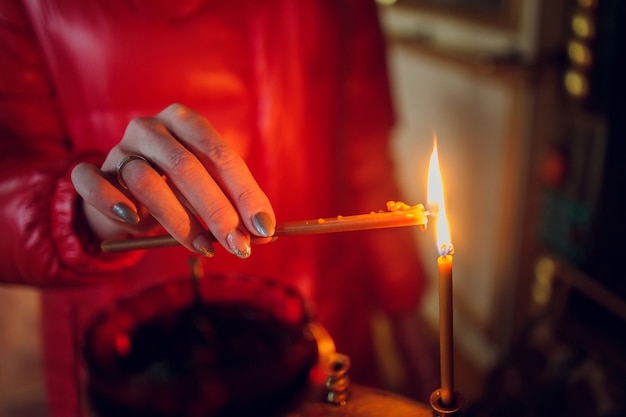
204, 246
263, 224
126, 213
239, 244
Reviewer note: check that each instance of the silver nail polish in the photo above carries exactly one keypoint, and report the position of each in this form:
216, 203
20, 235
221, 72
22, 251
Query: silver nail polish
239, 245
263, 224
125, 213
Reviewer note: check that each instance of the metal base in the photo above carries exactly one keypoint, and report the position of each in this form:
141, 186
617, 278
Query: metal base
440, 411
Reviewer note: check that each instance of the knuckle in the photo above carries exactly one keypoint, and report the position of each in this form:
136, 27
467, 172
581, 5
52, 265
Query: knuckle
181, 225
222, 155
142, 179
180, 111
220, 215
249, 194
140, 126
182, 164
186, 116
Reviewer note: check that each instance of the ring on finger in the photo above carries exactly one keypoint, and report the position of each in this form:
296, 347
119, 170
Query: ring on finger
122, 163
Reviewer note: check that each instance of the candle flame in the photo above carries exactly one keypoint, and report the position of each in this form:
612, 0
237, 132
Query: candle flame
436, 198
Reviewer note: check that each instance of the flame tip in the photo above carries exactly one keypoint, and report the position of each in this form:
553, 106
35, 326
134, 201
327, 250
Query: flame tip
436, 203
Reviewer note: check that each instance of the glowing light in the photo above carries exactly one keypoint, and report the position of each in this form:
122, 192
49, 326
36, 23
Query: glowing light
436, 203
122, 344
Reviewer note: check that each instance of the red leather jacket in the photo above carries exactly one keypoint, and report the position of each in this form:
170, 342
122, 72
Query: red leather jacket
299, 88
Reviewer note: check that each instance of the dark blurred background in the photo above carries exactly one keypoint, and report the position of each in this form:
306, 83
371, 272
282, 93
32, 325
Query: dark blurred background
528, 102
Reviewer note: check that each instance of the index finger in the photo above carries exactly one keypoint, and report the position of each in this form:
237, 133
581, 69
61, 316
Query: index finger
225, 165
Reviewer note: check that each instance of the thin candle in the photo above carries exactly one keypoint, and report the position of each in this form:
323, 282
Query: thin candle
398, 214
444, 270
446, 342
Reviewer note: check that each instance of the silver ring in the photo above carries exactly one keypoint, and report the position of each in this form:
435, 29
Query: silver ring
122, 163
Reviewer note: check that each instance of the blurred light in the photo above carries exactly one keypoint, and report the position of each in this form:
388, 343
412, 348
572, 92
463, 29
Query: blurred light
436, 199
583, 25
588, 3
576, 83
579, 53
542, 286
122, 344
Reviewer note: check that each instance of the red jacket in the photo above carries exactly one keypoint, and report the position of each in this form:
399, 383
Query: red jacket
298, 87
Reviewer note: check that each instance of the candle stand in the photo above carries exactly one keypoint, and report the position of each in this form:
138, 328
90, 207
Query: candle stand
439, 410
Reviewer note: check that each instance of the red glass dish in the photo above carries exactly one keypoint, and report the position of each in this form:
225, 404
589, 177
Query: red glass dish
224, 345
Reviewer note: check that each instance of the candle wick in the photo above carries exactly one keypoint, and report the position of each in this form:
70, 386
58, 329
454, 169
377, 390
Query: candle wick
446, 249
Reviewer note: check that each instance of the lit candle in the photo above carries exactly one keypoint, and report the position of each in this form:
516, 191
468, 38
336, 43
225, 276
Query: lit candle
444, 269
398, 214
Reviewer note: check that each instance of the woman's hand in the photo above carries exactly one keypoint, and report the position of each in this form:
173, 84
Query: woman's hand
190, 176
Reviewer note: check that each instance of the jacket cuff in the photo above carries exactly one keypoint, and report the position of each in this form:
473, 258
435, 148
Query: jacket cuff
77, 249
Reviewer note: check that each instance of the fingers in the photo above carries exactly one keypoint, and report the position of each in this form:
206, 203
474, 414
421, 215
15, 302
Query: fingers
113, 205
192, 177
226, 168
152, 190
187, 176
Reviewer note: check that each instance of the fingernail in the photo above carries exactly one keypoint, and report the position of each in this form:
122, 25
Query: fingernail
124, 212
204, 246
263, 224
239, 244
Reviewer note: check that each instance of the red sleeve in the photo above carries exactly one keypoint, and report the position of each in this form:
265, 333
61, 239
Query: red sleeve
42, 234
